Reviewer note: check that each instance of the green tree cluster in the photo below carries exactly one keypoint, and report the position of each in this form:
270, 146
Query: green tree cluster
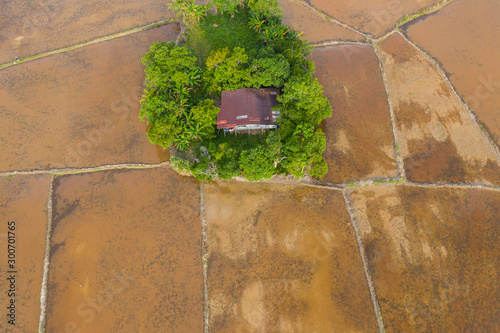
234, 69
173, 103
179, 96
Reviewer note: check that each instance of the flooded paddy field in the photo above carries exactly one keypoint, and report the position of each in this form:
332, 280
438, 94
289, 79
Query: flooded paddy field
32, 27
359, 137
433, 256
463, 37
439, 141
375, 17
23, 200
316, 28
79, 108
125, 253
283, 259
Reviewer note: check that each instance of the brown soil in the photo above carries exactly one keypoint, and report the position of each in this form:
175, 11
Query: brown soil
375, 17
29, 28
439, 141
125, 253
464, 38
23, 199
433, 256
283, 259
315, 27
79, 108
359, 134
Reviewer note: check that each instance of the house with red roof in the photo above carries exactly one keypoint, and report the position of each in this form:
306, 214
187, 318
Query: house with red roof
248, 108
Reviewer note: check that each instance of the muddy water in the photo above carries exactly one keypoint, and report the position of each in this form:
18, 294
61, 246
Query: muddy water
439, 142
283, 259
28, 28
375, 17
359, 134
315, 27
433, 255
79, 108
125, 253
464, 38
23, 199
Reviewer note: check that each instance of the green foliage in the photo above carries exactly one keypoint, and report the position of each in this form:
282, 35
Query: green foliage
227, 70
302, 101
265, 8
270, 69
180, 164
205, 116
256, 164
229, 32
188, 10
231, 70
169, 66
303, 149
173, 81
242, 45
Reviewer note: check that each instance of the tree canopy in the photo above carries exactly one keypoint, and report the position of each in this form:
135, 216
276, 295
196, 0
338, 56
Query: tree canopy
239, 45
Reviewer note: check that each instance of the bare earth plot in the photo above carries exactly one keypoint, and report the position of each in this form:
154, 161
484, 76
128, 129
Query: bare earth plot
439, 141
23, 199
433, 256
464, 37
283, 259
375, 17
79, 108
32, 27
315, 27
359, 137
126, 253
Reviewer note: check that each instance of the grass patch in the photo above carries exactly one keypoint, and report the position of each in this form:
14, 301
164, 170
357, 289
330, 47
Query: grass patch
220, 31
9, 177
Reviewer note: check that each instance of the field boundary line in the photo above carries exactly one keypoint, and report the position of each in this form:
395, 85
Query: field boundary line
281, 180
70, 171
339, 42
87, 43
204, 256
422, 12
359, 241
451, 185
45, 279
415, 16
397, 152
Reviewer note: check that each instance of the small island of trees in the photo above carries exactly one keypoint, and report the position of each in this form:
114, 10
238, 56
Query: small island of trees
228, 45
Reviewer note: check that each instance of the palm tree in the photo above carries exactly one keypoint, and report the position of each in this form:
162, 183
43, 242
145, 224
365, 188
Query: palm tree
220, 6
231, 7
177, 6
256, 23
195, 130
182, 141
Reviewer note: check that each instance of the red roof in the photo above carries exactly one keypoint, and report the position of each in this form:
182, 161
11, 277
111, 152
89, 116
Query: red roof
247, 106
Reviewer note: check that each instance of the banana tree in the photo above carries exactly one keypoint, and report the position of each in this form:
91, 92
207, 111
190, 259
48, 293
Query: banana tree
220, 6
256, 23
231, 7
